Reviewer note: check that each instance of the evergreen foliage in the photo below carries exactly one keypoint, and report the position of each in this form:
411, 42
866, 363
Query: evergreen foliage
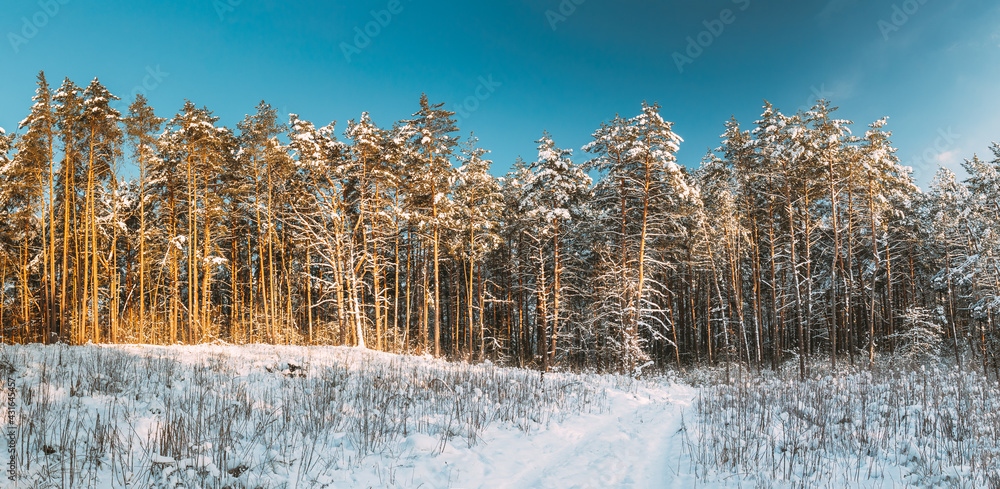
793, 239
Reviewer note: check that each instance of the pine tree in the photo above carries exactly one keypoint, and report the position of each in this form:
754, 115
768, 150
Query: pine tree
372, 180
477, 206
260, 154
744, 212
37, 153
920, 335
884, 181
431, 177
554, 188
101, 145
646, 188
779, 150
141, 127
9, 200
725, 232
825, 141
315, 154
513, 267
981, 219
322, 221
950, 201
70, 204
200, 149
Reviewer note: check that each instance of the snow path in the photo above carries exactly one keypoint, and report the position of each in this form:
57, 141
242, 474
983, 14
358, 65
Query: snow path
636, 445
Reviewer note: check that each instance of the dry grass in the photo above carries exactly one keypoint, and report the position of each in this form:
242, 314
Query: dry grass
257, 416
890, 426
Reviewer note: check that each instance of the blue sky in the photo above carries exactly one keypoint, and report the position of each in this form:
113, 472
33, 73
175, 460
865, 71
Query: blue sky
516, 68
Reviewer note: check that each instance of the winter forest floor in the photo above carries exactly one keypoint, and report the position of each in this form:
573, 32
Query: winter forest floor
219, 416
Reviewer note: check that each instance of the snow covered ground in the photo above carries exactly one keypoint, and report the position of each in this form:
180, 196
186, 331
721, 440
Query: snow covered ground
265, 416
219, 416
890, 425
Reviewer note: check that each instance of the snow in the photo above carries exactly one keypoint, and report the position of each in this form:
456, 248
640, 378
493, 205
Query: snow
304, 425
629, 446
219, 415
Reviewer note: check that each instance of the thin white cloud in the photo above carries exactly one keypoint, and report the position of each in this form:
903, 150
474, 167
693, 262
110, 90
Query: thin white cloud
948, 157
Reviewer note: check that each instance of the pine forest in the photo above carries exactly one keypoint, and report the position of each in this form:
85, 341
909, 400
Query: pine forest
801, 236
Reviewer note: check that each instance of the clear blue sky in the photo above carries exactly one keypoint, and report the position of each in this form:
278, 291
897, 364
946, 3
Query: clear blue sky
931, 65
